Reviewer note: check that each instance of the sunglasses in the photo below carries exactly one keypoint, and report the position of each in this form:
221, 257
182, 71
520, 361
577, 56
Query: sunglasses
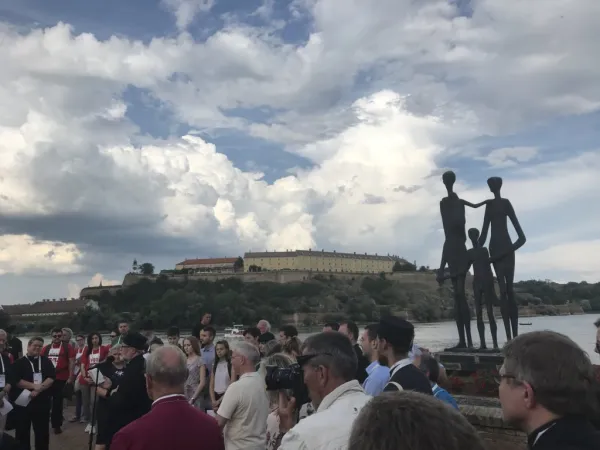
56, 336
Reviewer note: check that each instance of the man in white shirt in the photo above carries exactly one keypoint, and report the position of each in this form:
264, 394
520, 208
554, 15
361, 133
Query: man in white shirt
329, 366
245, 406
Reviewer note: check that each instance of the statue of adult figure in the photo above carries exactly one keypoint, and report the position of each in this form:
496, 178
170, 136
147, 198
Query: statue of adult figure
454, 254
502, 251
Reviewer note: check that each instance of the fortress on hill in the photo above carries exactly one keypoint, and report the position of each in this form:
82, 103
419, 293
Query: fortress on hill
277, 267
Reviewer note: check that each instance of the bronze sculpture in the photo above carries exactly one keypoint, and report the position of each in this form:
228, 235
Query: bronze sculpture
483, 288
502, 251
459, 260
454, 254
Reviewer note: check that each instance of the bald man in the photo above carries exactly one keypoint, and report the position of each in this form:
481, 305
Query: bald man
166, 373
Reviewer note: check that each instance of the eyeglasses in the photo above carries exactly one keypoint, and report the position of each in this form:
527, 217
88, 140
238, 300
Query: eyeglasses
501, 377
56, 336
302, 360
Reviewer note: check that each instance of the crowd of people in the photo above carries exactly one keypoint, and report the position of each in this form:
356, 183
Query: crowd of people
369, 389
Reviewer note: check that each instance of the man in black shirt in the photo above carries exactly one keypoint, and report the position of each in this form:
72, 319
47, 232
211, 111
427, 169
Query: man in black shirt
129, 401
265, 332
350, 329
547, 389
396, 337
197, 329
34, 373
15, 346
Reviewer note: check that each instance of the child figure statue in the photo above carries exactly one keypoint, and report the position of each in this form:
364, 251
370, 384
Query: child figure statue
483, 287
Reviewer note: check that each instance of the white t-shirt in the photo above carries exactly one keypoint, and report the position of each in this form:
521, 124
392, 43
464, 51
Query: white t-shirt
221, 377
246, 406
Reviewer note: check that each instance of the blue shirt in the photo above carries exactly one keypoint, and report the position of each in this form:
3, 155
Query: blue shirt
208, 357
444, 395
377, 378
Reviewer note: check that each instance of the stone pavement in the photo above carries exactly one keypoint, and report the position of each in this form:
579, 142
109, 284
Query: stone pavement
73, 436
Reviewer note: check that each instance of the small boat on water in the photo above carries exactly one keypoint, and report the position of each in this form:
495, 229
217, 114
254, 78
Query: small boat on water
235, 332
525, 323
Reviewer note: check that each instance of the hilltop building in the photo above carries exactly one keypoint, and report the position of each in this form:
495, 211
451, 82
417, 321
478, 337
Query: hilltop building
48, 307
319, 261
208, 265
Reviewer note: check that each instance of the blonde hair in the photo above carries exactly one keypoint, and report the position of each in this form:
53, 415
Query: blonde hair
281, 360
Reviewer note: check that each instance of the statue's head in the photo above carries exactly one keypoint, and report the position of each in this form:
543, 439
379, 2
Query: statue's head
449, 178
473, 234
495, 184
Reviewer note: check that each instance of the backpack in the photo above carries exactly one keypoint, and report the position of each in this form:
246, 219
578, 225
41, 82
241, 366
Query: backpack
397, 385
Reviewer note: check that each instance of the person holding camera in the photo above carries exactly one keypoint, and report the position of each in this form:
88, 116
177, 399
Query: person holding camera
274, 363
328, 365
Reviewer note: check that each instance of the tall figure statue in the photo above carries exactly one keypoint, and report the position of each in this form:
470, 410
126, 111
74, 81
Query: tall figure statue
502, 251
483, 288
452, 210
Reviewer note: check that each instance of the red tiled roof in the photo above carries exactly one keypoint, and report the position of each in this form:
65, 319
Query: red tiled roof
188, 262
48, 307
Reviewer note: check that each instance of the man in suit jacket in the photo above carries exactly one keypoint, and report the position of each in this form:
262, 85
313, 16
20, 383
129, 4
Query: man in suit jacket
129, 401
172, 422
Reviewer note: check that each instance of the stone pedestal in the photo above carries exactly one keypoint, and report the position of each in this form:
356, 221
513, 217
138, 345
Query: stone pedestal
470, 362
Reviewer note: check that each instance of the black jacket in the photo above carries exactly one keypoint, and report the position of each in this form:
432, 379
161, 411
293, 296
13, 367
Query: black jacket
411, 379
22, 370
130, 400
567, 433
363, 363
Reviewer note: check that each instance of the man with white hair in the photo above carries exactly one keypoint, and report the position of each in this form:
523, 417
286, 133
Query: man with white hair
265, 332
245, 406
172, 422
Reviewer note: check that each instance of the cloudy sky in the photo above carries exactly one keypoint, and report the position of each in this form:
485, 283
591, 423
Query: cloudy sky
161, 130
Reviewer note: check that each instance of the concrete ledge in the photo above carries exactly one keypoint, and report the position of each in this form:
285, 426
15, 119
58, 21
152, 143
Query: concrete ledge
485, 414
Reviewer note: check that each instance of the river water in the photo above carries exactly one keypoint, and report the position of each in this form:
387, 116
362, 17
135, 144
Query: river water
439, 335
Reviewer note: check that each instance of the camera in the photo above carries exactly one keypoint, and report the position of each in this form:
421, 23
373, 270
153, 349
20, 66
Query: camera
291, 378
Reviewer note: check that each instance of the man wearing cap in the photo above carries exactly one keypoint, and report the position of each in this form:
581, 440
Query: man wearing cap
396, 337
129, 401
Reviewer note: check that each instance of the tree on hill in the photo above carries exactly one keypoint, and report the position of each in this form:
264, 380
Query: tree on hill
146, 268
238, 265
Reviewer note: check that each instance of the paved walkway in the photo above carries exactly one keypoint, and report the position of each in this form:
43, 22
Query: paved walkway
73, 436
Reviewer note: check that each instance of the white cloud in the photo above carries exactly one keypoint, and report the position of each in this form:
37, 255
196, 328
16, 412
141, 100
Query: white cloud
186, 10
510, 156
67, 147
20, 254
74, 289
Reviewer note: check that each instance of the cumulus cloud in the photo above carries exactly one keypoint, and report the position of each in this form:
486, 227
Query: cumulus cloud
20, 254
376, 98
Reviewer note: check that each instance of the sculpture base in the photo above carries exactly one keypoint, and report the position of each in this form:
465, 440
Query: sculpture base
470, 360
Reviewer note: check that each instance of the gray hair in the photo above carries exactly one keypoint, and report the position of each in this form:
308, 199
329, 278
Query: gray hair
68, 330
334, 351
267, 324
3, 333
167, 365
249, 351
559, 371
280, 360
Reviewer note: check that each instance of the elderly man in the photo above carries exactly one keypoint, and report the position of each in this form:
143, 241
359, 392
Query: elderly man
172, 422
129, 401
329, 366
265, 332
547, 390
245, 406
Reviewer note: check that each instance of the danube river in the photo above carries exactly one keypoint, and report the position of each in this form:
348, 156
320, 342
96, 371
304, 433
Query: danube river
439, 335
